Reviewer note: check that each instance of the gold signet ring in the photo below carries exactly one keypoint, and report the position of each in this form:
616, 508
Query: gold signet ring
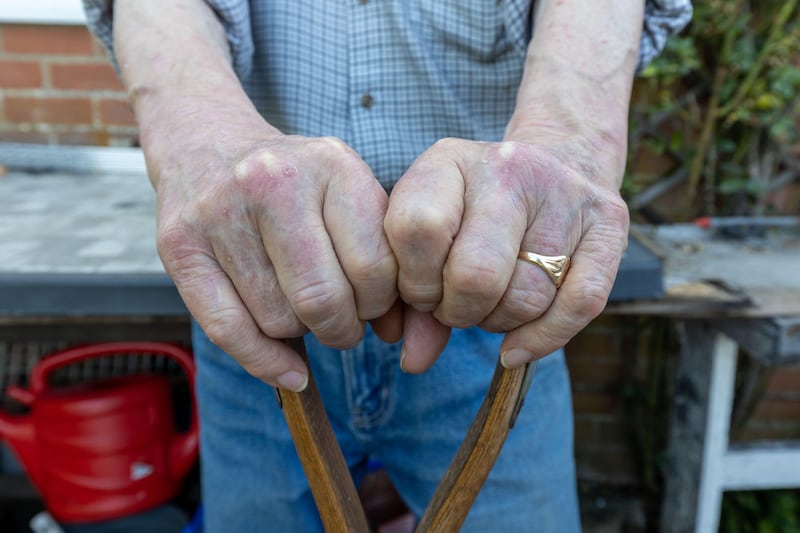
555, 266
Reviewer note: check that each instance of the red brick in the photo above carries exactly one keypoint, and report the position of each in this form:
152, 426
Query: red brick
100, 76
777, 409
94, 137
595, 402
46, 40
20, 74
613, 432
592, 346
768, 431
99, 49
607, 466
584, 430
116, 112
48, 110
785, 380
582, 370
17, 136
123, 139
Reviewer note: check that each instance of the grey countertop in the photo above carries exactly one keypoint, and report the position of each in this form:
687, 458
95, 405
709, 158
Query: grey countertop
69, 224
81, 244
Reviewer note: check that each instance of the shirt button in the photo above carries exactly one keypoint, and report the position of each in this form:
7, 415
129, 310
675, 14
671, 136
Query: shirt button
367, 100
362, 2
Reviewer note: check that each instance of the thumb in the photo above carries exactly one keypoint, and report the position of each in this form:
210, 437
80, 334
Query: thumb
424, 338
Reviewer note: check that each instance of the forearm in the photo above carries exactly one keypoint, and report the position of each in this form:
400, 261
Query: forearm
176, 66
578, 76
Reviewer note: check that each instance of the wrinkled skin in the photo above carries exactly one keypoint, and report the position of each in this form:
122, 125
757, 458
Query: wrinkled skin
270, 239
460, 215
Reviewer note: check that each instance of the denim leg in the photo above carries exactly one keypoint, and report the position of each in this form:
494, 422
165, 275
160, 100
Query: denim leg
532, 486
252, 479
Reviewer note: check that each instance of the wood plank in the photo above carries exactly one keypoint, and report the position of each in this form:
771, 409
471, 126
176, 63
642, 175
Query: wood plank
772, 466
773, 340
687, 425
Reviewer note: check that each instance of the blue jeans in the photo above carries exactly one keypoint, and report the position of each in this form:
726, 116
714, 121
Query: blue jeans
252, 479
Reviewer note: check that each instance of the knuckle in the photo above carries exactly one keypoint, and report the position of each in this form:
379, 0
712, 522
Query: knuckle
265, 173
516, 308
280, 325
177, 247
415, 224
528, 306
364, 270
415, 292
592, 301
227, 327
334, 143
510, 150
447, 143
265, 366
339, 151
479, 281
375, 286
322, 306
552, 339
613, 209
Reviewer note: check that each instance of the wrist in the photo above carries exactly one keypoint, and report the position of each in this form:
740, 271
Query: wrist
573, 112
178, 125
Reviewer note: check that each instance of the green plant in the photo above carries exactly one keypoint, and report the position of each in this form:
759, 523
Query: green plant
774, 511
721, 105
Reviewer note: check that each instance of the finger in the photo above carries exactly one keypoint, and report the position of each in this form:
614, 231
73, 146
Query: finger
483, 256
215, 304
389, 327
530, 292
301, 252
424, 338
423, 217
580, 299
354, 210
247, 266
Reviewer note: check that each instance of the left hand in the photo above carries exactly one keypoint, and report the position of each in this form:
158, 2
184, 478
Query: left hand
461, 214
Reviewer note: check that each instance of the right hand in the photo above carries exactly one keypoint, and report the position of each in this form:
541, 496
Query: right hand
270, 236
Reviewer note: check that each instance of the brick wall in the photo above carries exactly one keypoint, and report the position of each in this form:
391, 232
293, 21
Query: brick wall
600, 361
621, 370
58, 87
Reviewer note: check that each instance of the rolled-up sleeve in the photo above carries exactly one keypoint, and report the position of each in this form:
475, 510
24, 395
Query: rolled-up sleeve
662, 18
233, 14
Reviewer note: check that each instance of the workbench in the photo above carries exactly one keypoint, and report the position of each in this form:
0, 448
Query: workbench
729, 290
78, 263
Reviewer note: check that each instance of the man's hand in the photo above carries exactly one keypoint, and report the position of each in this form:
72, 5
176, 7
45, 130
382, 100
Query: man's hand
274, 239
464, 210
266, 236
458, 219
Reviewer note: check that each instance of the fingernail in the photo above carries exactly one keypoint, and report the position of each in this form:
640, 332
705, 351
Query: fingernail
293, 381
424, 308
514, 358
403, 359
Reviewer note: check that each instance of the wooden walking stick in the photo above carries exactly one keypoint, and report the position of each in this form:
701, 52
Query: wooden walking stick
329, 477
